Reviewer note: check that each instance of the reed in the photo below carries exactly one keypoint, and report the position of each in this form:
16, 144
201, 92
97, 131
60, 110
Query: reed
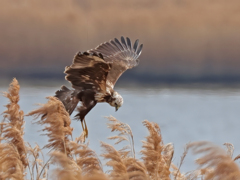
74, 160
12, 147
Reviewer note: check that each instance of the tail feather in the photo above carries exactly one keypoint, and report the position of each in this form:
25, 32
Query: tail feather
68, 98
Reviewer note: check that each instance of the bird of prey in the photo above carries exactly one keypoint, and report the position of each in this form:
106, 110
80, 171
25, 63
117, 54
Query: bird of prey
93, 75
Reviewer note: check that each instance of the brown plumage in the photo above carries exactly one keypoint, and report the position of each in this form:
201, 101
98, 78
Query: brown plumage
94, 73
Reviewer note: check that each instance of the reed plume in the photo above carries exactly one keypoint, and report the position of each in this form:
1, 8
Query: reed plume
86, 159
123, 162
57, 121
230, 149
76, 161
216, 162
84, 166
12, 131
67, 168
36, 163
177, 175
11, 166
136, 169
167, 153
125, 134
176, 170
119, 169
152, 150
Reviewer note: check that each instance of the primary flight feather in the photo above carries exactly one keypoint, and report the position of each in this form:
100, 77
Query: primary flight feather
94, 73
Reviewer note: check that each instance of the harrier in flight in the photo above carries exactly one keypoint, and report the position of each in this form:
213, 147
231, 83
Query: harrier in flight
93, 75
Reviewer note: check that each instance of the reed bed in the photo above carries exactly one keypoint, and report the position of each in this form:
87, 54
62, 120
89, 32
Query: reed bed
187, 38
74, 160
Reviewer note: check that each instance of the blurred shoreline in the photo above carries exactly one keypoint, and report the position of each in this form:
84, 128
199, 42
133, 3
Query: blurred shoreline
188, 79
184, 41
129, 84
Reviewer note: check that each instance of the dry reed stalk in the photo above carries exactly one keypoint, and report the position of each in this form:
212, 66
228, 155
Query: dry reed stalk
167, 153
177, 174
123, 167
86, 159
54, 115
36, 163
125, 134
12, 131
221, 165
11, 166
181, 161
230, 149
152, 153
96, 176
68, 168
119, 169
196, 174
136, 169
237, 157
129, 165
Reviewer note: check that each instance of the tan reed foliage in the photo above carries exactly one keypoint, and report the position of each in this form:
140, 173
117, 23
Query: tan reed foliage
11, 166
152, 150
37, 164
123, 162
68, 169
84, 166
123, 167
177, 174
119, 169
76, 161
168, 151
136, 169
12, 131
230, 149
54, 115
125, 134
86, 159
176, 170
216, 162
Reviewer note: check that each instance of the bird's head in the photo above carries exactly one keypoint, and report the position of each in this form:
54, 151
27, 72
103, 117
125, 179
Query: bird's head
116, 101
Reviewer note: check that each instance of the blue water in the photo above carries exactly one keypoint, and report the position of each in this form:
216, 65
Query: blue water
184, 115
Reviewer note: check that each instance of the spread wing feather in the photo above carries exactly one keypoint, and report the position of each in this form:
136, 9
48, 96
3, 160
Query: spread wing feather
122, 56
68, 98
88, 71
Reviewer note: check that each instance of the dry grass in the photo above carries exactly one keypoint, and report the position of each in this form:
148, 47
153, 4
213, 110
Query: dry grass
74, 160
12, 129
216, 163
57, 124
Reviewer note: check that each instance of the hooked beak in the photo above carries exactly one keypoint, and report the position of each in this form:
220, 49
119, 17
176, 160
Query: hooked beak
116, 107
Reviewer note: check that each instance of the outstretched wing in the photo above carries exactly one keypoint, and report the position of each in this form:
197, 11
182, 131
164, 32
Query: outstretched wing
88, 71
122, 55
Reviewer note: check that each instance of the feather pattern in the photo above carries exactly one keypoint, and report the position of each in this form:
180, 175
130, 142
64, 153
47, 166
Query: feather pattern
68, 98
121, 54
94, 73
88, 71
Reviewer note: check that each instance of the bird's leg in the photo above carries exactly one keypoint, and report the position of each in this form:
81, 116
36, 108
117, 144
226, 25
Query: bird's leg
82, 126
85, 128
84, 131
